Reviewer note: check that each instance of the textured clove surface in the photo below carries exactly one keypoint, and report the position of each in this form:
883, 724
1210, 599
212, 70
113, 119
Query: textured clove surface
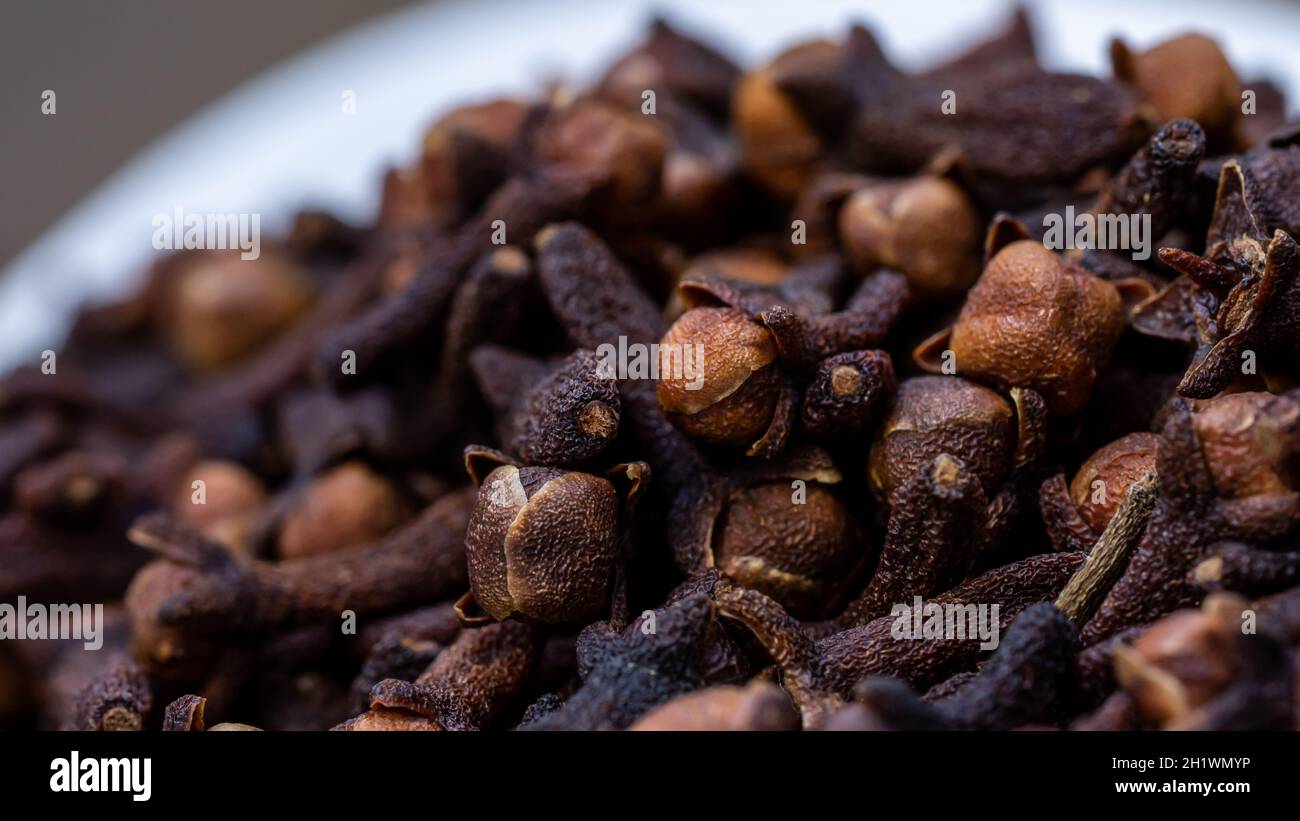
816, 392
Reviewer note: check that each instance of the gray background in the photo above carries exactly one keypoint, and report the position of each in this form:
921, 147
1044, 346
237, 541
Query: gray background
124, 71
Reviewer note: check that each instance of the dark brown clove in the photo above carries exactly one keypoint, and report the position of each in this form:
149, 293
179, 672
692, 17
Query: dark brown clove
1247, 570
118, 699
468, 684
758, 706
656, 658
207, 591
544, 543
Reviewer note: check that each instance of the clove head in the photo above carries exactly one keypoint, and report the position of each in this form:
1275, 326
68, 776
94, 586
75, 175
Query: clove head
1185, 76
1034, 320
162, 649
732, 399
933, 415
779, 147
220, 307
620, 153
542, 543
1251, 442
756, 706
232, 499
752, 266
462, 154
1116, 466
925, 227
1177, 665
347, 506
801, 552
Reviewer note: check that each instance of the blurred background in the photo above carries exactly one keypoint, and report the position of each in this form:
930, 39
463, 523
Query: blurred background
124, 71
234, 106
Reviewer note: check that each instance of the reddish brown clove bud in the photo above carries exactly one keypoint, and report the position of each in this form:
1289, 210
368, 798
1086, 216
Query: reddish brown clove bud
779, 147
543, 543
1034, 320
220, 307
1185, 76
925, 227
348, 505
757, 706
1099, 486
1250, 442
734, 397
225, 507
932, 415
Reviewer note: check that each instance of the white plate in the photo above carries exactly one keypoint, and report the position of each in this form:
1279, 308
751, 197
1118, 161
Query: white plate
282, 141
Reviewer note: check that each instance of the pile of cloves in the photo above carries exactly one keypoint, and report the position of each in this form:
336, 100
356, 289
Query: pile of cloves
678, 402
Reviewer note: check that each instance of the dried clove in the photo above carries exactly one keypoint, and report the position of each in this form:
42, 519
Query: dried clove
1191, 513
199, 587
1200, 670
118, 699
926, 227
821, 673
545, 543
931, 541
402, 647
996, 338
757, 706
1031, 678
706, 272
1247, 570
777, 527
1186, 76
347, 506
568, 416
629, 673
467, 685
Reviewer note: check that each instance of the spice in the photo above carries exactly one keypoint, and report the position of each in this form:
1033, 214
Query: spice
1191, 514
1198, 670
629, 673
468, 683
1247, 570
931, 541
925, 227
996, 337
465, 154
1075, 515
544, 543
933, 415
217, 308
222, 500
1186, 76
1240, 296
1031, 678
198, 587
820, 673
756, 353
568, 416
348, 505
706, 274
401, 647
758, 706
1025, 682
118, 699
185, 714
801, 547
